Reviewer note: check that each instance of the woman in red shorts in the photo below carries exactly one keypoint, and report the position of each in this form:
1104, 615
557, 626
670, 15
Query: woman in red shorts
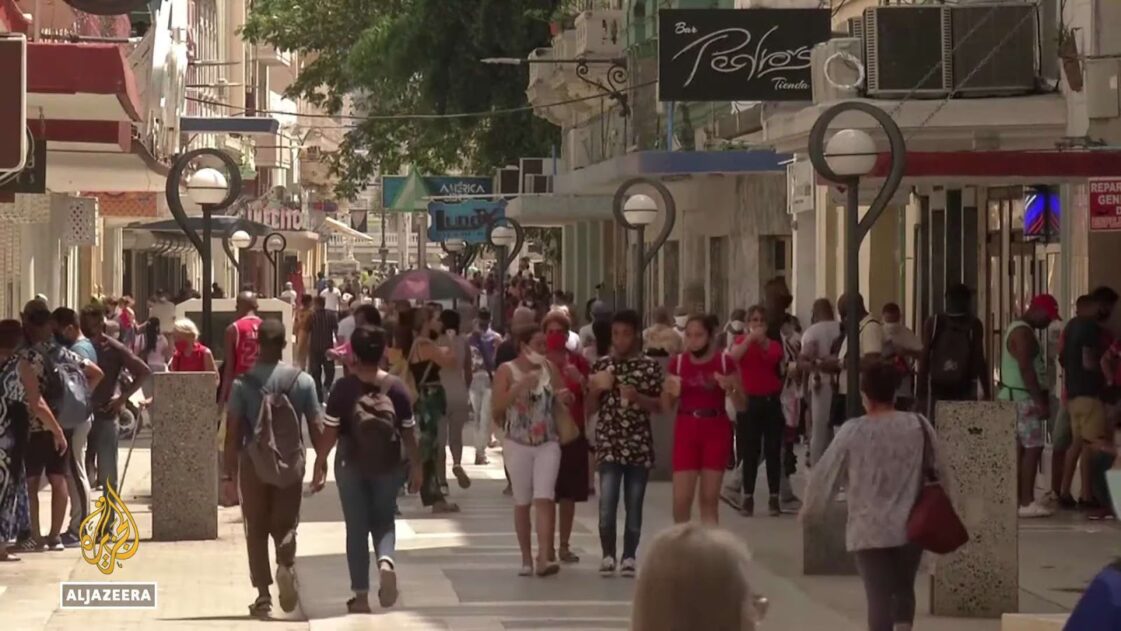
698, 381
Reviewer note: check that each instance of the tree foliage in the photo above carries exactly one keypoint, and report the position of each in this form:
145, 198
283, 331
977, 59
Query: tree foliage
392, 57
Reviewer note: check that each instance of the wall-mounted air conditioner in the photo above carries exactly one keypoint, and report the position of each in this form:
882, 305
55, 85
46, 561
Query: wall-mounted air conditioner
837, 69
508, 181
538, 184
906, 51
1014, 67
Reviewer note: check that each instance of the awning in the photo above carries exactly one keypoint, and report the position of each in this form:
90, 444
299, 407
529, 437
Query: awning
605, 176
996, 168
81, 82
341, 228
219, 225
245, 125
556, 210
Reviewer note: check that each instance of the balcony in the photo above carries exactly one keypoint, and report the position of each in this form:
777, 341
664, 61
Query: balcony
274, 151
270, 56
599, 33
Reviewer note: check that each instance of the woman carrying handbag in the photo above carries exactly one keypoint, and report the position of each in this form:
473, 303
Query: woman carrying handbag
885, 461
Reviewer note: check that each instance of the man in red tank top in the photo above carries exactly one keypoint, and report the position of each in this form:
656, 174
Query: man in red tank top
240, 342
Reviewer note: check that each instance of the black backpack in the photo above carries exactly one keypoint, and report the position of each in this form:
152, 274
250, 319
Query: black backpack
376, 433
951, 352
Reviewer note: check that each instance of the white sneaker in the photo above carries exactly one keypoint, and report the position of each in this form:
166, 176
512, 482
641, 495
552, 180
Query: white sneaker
627, 568
1035, 509
1050, 500
607, 566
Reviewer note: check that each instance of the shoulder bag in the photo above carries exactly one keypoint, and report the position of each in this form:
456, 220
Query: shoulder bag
934, 525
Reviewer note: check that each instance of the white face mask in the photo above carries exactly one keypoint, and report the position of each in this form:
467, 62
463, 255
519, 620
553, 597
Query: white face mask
535, 358
680, 321
736, 326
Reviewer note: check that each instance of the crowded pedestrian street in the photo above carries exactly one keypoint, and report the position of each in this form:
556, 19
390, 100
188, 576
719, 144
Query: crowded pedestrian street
457, 573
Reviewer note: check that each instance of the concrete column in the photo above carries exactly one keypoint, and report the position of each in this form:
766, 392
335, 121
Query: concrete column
978, 444
184, 458
805, 284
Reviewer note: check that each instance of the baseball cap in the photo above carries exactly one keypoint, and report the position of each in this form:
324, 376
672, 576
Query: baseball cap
1047, 304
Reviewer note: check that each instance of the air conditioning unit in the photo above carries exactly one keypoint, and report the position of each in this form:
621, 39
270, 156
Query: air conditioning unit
507, 181
1013, 68
800, 181
538, 184
855, 27
902, 44
837, 71
532, 166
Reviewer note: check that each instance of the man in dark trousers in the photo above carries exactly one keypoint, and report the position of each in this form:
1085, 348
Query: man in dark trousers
324, 329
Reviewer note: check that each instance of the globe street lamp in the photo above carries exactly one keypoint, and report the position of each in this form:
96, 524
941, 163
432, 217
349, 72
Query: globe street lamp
635, 212
507, 237
848, 155
213, 191
236, 239
275, 245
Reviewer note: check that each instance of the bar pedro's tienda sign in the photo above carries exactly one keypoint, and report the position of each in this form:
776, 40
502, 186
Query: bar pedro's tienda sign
1105, 204
738, 54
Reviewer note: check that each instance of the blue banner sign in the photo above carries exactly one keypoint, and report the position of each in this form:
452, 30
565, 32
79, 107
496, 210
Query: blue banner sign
467, 220
438, 186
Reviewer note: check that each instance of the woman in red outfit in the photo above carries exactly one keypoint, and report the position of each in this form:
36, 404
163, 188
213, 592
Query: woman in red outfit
699, 380
761, 425
572, 478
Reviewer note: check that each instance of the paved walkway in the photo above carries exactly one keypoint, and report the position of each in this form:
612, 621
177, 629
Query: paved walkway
458, 573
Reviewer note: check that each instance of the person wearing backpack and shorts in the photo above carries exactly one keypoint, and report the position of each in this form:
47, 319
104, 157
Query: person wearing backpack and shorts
47, 447
953, 357
263, 461
370, 413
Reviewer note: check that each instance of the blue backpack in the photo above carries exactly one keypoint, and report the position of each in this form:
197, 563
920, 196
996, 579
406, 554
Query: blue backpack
69, 398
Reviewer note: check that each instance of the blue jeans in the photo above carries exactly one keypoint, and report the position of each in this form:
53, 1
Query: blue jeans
368, 505
632, 480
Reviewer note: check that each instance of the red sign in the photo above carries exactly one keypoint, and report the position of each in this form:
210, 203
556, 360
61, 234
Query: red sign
13, 101
1105, 204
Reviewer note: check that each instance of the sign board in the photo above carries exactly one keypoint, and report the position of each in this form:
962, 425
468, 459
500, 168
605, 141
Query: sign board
33, 177
13, 101
467, 220
738, 54
449, 186
1105, 204
275, 211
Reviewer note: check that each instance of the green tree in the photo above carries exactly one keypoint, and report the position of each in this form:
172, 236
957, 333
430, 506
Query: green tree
417, 57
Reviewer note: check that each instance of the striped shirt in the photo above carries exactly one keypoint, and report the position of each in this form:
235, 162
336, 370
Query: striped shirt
324, 326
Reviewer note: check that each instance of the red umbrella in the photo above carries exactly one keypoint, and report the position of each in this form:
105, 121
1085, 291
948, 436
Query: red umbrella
426, 284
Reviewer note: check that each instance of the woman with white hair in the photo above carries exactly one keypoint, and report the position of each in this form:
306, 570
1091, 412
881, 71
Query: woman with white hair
695, 577
190, 355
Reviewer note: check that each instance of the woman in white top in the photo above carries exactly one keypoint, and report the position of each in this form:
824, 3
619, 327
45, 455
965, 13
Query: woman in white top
817, 348
152, 346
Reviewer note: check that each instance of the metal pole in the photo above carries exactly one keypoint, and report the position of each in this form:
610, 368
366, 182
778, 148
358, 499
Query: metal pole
640, 265
501, 315
207, 277
852, 298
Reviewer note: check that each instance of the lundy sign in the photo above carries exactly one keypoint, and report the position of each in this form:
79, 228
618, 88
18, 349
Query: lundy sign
467, 220
738, 54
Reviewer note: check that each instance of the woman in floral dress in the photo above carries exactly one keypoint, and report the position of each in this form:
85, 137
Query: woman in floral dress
14, 513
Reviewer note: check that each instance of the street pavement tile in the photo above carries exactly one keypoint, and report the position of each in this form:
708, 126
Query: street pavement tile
572, 584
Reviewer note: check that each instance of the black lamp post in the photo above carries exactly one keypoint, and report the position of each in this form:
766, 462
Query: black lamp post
507, 236
211, 190
457, 250
236, 239
274, 246
635, 212
848, 155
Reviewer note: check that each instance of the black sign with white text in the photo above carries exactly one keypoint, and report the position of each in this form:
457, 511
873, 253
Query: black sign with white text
738, 54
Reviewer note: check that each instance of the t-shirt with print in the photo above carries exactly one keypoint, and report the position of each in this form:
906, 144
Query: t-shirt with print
699, 389
245, 398
871, 342
623, 434
37, 356
1082, 333
343, 399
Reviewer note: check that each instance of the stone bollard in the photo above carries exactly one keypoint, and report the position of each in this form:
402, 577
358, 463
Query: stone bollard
823, 543
184, 461
978, 444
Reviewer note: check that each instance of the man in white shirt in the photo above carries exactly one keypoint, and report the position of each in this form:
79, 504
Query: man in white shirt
871, 346
332, 296
289, 294
818, 343
902, 347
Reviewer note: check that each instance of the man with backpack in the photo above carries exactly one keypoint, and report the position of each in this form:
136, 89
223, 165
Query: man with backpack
263, 461
370, 413
953, 359
871, 346
65, 381
68, 334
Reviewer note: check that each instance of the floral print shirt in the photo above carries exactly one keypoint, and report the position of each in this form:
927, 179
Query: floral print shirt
529, 419
622, 432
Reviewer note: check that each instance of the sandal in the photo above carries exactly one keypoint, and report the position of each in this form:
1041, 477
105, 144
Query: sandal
566, 556
461, 477
547, 568
358, 605
444, 507
261, 608
527, 570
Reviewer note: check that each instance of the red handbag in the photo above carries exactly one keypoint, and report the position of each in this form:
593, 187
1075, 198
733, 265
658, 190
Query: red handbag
934, 525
